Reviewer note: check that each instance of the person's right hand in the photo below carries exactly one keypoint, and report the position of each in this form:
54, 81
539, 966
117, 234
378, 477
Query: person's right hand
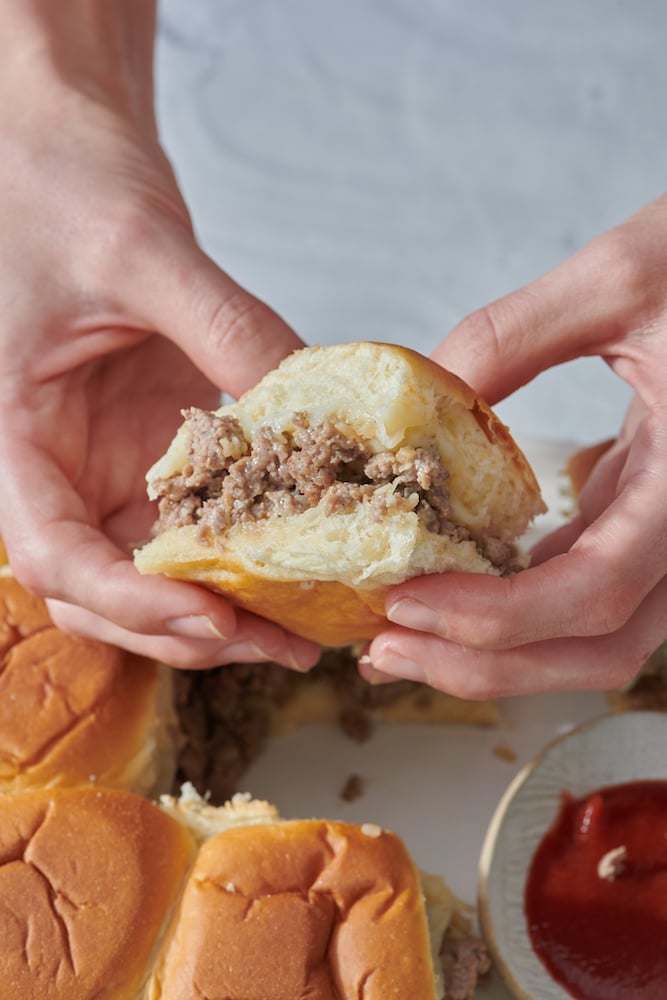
111, 320
593, 604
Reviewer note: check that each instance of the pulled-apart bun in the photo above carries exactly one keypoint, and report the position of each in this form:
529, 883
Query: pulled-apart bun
75, 711
104, 894
345, 471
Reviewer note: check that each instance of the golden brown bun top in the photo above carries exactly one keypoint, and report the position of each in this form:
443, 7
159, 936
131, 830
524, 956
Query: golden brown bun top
303, 908
71, 710
87, 879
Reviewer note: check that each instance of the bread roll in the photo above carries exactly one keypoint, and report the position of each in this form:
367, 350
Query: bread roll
344, 471
88, 879
104, 894
74, 711
301, 908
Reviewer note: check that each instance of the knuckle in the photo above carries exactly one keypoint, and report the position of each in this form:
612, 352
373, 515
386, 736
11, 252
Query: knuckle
472, 685
483, 331
469, 681
238, 320
495, 631
621, 256
125, 230
605, 614
27, 567
490, 326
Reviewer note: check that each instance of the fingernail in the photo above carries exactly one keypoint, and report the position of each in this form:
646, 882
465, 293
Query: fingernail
301, 657
389, 662
194, 627
371, 674
249, 652
244, 652
413, 614
368, 671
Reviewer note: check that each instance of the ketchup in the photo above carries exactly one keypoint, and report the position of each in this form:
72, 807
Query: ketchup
596, 894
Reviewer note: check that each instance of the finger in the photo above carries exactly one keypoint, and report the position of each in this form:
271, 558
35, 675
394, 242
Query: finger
606, 289
56, 552
598, 663
597, 493
230, 335
254, 641
592, 589
557, 542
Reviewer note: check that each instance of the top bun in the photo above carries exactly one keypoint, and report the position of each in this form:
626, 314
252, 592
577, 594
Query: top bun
74, 711
449, 489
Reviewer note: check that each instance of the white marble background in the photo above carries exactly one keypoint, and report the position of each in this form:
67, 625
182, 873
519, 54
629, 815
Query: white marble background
379, 168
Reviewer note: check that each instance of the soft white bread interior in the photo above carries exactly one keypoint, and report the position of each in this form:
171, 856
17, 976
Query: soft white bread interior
103, 893
75, 711
323, 572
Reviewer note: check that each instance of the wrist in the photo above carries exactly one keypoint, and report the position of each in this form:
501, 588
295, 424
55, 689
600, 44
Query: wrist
101, 50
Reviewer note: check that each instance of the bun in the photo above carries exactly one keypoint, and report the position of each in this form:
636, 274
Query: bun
316, 557
102, 893
74, 711
347, 893
87, 881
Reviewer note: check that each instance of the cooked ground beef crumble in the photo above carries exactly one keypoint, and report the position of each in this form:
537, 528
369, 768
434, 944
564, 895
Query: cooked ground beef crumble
227, 479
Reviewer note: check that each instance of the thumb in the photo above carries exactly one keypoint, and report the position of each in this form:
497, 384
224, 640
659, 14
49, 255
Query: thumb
230, 335
580, 308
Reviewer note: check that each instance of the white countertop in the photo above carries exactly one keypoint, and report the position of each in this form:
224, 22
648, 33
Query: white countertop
376, 169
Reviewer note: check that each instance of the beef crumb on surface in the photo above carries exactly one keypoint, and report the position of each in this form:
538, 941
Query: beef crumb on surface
353, 788
464, 961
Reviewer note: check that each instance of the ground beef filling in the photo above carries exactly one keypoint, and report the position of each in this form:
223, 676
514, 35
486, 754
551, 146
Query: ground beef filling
464, 961
227, 479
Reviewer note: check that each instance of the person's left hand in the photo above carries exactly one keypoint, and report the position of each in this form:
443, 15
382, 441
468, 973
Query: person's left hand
112, 318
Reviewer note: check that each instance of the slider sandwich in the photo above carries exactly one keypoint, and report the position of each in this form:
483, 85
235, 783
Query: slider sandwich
105, 894
346, 470
75, 711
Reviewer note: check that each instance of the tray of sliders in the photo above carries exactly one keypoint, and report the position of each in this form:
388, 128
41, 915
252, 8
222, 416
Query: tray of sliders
247, 832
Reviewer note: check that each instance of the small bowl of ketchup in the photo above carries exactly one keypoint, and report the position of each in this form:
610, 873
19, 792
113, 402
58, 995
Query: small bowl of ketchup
573, 871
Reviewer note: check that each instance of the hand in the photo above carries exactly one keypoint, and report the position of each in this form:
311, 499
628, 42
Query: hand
594, 604
112, 319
